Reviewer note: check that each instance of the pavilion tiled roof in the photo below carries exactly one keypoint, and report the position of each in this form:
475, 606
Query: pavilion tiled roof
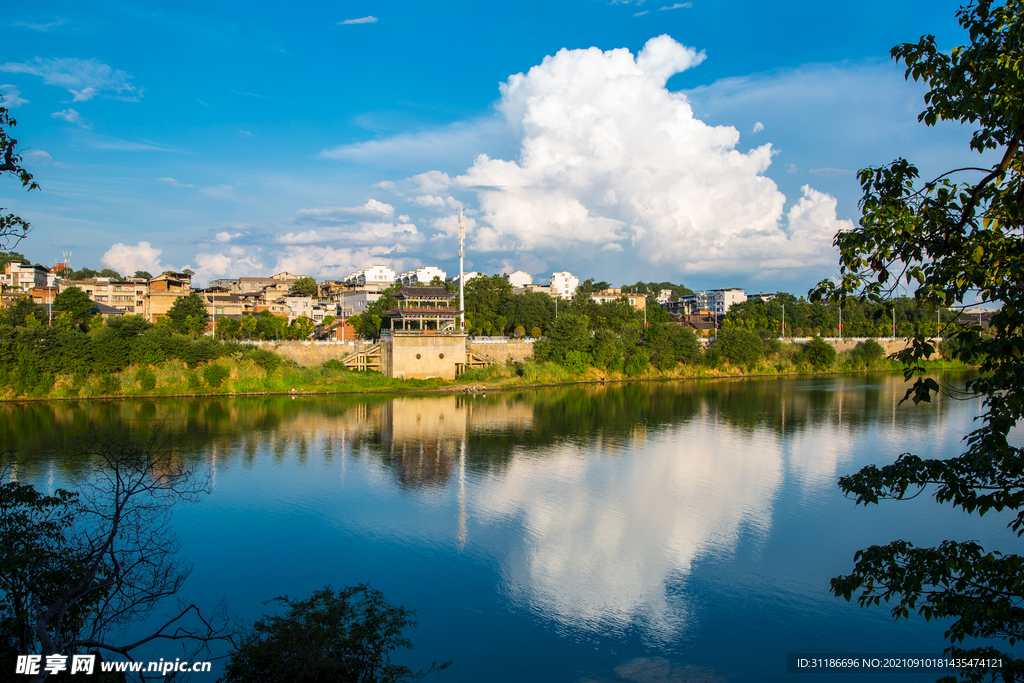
423, 293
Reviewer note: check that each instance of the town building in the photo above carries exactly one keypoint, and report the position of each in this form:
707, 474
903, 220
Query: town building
715, 301
466, 277
164, 290
520, 278
421, 276
637, 301
374, 275
424, 307
564, 285
540, 289
339, 330
130, 295
224, 304
247, 285
24, 276
354, 302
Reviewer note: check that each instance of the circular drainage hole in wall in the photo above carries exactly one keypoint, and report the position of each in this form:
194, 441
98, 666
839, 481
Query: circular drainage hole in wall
417, 356
441, 355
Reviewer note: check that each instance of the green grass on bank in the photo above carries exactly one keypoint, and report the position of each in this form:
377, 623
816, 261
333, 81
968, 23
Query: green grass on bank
230, 375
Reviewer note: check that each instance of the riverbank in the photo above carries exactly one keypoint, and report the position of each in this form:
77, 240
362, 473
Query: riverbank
234, 377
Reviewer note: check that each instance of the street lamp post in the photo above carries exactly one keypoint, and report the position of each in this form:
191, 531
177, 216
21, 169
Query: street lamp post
462, 272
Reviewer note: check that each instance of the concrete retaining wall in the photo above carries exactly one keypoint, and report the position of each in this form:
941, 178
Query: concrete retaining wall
423, 356
889, 344
309, 354
500, 352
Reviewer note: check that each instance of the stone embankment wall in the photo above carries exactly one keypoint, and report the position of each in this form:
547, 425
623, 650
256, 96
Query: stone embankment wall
501, 351
849, 343
308, 354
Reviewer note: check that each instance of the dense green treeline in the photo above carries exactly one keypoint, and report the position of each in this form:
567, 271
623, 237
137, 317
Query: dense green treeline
859, 318
33, 357
492, 308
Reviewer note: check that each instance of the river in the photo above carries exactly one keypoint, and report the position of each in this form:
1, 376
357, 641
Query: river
649, 532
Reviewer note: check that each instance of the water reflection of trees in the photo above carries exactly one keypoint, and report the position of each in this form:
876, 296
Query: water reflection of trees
420, 438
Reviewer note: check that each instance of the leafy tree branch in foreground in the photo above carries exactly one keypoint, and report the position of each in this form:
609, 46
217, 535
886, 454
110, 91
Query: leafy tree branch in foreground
12, 228
955, 237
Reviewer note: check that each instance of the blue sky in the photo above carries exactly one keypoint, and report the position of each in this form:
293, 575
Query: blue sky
707, 143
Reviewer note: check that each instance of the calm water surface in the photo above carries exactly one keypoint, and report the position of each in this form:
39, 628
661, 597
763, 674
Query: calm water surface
657, 532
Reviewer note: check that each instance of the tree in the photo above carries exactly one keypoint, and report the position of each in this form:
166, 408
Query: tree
23, 310
11, 257
304, 286
82, 274
344, 636
303, 327
740, 346
12, 228
75, 302
248, 326
188, 314
143, 274
955, 237
819, 353
79, 567
111, 273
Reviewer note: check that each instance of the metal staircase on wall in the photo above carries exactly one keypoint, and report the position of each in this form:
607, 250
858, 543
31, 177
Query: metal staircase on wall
367, 359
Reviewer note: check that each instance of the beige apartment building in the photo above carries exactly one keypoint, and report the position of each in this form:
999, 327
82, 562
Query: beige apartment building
164, 290
130, 295
637, 301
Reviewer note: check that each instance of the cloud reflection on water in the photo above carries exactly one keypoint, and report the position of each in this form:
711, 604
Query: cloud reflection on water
606, 535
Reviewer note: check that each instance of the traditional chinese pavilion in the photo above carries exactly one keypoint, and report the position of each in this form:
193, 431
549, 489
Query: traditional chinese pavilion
423, 309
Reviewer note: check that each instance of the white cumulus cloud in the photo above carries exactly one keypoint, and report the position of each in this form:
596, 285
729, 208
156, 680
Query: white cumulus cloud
608, 156
235, 262
128, 258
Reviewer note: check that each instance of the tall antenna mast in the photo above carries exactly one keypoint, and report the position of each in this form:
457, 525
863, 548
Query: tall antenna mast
462, 273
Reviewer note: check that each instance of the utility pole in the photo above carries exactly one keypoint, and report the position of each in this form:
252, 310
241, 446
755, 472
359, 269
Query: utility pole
462, 273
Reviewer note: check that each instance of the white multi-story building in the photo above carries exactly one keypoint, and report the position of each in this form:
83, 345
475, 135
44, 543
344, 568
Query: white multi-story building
716, 301
354, 303
24, 276
421, 276
466, 277
374, 275
520, 278
298, 306
564, 284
